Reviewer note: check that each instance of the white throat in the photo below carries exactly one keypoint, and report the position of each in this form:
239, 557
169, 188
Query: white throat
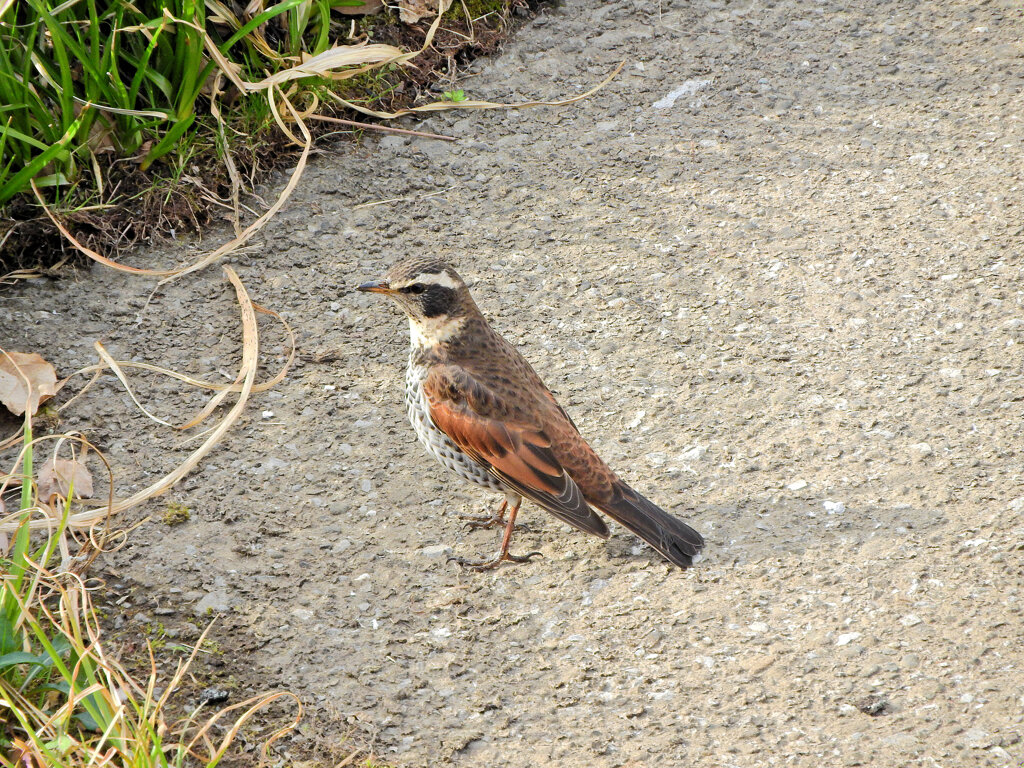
430, 331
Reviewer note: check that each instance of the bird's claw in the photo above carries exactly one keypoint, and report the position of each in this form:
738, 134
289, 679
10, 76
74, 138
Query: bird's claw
492, 520
502, 557
522, 558
476, 522
483, 521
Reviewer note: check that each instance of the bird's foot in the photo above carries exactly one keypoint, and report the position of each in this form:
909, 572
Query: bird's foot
493, 520
484, 521
502, 557
497, 520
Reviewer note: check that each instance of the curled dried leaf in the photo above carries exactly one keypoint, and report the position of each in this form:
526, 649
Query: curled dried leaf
26, 380
411, 11
62, 476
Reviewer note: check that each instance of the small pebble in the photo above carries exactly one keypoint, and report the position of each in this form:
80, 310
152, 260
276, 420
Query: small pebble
438, 550
873, 706
834, 507
976, 738
213, 695
696, 453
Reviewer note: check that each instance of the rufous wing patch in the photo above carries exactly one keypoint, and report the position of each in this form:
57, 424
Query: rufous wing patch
517, 454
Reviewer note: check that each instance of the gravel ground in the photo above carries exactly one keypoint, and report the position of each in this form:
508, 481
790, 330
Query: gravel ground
774, 273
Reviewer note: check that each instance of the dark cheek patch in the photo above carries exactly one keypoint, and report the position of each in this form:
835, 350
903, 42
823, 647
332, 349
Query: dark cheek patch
437, 300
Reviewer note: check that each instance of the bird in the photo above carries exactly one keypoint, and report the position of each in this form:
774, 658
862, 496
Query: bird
481, 409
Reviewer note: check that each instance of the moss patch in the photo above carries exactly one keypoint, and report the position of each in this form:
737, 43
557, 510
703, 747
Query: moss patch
176, 514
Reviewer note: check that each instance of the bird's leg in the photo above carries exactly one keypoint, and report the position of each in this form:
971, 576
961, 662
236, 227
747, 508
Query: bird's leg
487, 521
503, 554
506, 539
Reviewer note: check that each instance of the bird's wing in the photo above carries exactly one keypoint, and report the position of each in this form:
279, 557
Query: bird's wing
562, 411
516, 452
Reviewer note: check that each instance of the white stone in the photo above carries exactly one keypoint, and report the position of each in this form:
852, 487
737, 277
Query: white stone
1001, 754
438, 550
696, 453
976, 738
689, 88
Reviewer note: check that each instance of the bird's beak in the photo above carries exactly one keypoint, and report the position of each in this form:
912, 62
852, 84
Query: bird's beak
375, 286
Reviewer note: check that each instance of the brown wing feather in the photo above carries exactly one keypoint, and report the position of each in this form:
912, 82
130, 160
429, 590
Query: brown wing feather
517, 453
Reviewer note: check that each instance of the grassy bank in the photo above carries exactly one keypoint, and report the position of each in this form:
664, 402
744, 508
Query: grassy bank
129, 120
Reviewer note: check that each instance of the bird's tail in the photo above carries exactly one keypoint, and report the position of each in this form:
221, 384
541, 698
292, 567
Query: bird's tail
669, 535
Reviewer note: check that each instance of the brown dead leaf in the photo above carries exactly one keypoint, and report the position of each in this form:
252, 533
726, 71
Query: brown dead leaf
15, 368
57, 477
368, 8
101, 137
139, 156
411, 11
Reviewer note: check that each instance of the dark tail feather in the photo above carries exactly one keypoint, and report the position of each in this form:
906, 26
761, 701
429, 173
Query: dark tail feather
669, 535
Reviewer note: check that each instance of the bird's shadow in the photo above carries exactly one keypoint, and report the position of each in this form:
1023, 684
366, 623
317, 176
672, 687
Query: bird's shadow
739, 534
753, 531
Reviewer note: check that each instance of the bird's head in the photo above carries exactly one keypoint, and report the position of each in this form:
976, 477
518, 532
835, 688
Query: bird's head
432, 294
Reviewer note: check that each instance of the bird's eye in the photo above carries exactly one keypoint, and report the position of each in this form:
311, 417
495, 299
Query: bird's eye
415, 288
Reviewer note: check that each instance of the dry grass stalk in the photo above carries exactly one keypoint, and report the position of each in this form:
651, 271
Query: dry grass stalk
257, 225
133, 715
89, 252
441, 106
244, 385
338, 63
381, 128
98, 369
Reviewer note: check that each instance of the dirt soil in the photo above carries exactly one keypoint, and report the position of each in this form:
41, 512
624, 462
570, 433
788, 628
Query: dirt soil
774, 273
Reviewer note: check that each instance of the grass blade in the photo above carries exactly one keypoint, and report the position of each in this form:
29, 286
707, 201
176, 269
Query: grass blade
19, 180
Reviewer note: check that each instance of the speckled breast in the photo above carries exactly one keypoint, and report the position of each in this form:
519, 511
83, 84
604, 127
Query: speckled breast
437, 442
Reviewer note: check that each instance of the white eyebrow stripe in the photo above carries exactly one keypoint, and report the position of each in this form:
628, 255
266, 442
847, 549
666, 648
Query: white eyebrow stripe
435, 278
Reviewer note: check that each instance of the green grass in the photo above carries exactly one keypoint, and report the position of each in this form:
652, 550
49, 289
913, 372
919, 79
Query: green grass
81, 82
50, 676
84, 78
121, 117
